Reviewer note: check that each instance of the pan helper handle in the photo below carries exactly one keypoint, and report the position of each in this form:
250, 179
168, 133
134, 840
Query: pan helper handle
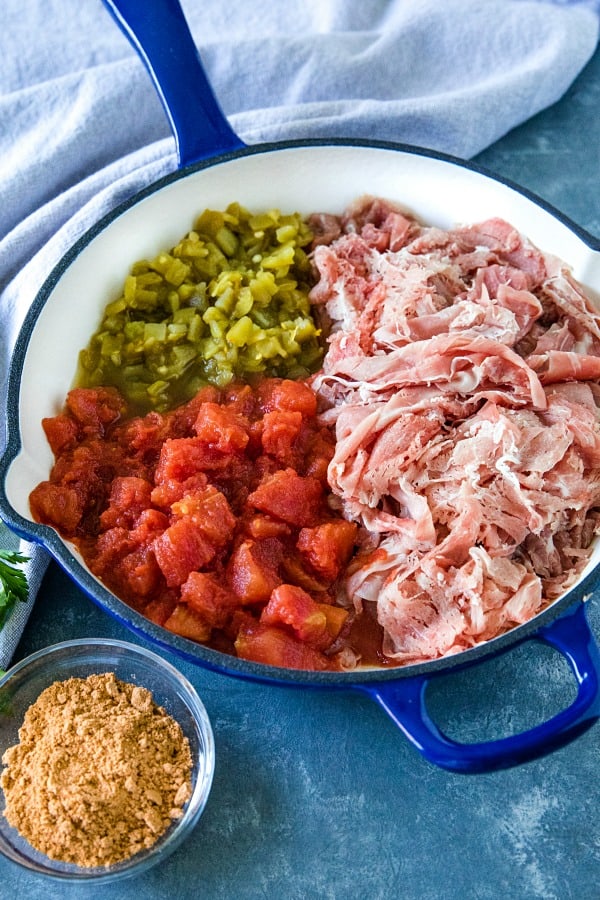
160, 34
404, 701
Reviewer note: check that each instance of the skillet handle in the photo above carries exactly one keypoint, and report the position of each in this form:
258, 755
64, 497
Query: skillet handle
160, 34
404, 701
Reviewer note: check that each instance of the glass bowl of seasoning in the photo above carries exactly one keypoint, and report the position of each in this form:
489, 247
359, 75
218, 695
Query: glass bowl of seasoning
107, 760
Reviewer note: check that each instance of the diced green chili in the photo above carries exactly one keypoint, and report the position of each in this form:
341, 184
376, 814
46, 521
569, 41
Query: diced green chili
229, 301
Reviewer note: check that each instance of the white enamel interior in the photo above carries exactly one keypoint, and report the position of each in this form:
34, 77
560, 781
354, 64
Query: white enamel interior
304, 179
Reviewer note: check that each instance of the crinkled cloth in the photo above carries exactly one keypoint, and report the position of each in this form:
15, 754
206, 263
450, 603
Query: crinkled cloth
81, 127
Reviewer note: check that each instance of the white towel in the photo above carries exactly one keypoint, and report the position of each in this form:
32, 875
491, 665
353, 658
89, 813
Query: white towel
81, 127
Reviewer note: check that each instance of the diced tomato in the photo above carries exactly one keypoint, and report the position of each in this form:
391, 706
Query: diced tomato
296, 572
208, 516
160, 607
210, 511
182, 419
138, 574
261, 527
53, 504
95, 408
254, 447
292, 607
89, 468
129, 495
319, 454
281, 436
61, 433
181, 458
317, 624
221, 428
240, 399
182, 549
170, 491
253, 572
288, 496
317, 467
336, 618
264, 466
125, 559
187, 623
236, 492
111, 546
144, 435
149, 524
275, 647
243, 617
284, 394
211, 600
328, 547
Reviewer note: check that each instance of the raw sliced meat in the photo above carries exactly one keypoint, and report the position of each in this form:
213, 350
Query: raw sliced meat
462, 378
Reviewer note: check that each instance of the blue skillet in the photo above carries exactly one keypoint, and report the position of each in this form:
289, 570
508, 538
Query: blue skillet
216, 168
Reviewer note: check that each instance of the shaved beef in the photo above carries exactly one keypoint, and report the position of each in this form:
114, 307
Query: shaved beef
473, 366
561, 365
506, 244
463, 380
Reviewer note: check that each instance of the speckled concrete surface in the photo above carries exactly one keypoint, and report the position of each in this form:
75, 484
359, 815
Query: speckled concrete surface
318, 795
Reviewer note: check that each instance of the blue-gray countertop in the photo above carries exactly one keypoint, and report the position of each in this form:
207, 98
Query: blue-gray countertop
317, 794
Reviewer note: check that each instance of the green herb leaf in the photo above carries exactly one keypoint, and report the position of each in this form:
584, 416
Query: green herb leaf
13, 582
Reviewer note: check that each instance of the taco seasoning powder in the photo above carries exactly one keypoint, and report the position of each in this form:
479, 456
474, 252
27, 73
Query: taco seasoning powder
99, 773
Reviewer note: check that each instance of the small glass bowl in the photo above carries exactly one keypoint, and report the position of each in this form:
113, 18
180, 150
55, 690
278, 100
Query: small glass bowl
21, 686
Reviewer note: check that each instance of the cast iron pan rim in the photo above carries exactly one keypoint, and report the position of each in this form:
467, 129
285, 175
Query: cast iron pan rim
189, 650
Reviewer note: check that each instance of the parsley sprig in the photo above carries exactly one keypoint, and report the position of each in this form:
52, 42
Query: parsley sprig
13, 582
